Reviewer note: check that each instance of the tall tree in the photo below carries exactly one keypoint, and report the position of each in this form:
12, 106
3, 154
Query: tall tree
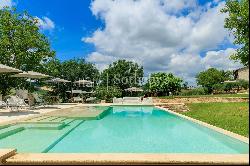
238, 24
22, 45
123, 74
72, 70
164, 83
211, 77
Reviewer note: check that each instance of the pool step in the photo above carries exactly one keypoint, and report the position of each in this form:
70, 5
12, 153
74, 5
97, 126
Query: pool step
68, 121
36, 118
4, 126
10, 131
45, 126
59, 119
44, 118
75, 124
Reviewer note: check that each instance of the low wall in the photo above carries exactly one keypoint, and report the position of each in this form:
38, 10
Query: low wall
201, 100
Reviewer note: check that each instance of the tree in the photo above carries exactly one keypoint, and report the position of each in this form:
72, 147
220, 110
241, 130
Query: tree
103, 93
22, 46
164, 83
210, 77
238, 24
123, 74
72, 70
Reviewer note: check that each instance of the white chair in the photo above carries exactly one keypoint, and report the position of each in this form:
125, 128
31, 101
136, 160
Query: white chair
16, 102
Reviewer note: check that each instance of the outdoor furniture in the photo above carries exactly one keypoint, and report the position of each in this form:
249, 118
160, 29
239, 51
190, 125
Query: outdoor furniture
23, 94
117, 100
131, 100
77, 99
90, 100
7, 69
38, 100
16, 102
2, 103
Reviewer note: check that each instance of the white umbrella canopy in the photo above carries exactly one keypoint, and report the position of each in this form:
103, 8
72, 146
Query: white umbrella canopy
8, 69
31, 74
75, 91
134, 89
79, 92
58, 80
82, 82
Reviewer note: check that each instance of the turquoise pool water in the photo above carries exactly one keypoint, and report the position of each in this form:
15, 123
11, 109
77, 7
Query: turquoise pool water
127, 130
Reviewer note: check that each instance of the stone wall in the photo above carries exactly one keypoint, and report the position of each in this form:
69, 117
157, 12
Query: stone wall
243, 74
201, 100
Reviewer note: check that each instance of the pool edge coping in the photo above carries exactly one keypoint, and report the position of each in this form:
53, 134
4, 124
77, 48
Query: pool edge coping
135, 158
125, 158
218, 129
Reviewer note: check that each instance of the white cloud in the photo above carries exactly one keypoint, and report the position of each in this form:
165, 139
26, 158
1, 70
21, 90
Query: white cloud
45, 23
6, 3
155, 34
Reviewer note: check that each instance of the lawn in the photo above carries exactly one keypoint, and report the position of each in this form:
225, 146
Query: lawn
229, 116
217, 95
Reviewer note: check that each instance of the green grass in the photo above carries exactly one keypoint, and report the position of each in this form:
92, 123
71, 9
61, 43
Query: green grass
229, 116
217, 95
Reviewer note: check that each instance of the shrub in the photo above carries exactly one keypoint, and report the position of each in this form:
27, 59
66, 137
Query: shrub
218, 88
244, 84
103, 94
196, 91
230, 86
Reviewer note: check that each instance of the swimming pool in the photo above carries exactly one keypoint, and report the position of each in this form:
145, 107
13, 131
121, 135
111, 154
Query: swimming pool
126, 129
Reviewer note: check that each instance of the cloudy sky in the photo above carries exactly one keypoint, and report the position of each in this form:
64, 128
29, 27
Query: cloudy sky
179, 36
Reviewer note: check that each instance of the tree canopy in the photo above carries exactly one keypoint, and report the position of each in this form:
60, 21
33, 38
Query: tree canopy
164, 83
123, 74
211, 77
22, 45
72, 70
238, 24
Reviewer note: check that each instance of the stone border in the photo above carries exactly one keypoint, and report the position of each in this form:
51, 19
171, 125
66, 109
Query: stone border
6, 153
220, 130
124, 159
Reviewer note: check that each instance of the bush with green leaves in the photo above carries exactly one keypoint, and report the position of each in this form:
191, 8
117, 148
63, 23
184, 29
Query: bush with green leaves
164, 83
196, 91
212, 76
218, 88
104, 93
244, 84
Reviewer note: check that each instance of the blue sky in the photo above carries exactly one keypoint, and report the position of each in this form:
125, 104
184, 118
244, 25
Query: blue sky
73, 20
179, 36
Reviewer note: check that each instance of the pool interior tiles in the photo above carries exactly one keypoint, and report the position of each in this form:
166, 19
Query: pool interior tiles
116, 130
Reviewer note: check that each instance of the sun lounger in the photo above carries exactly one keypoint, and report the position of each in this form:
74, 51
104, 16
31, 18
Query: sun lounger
16, 102
117, 100
131, 100
2, 103
77, 99
90, 99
